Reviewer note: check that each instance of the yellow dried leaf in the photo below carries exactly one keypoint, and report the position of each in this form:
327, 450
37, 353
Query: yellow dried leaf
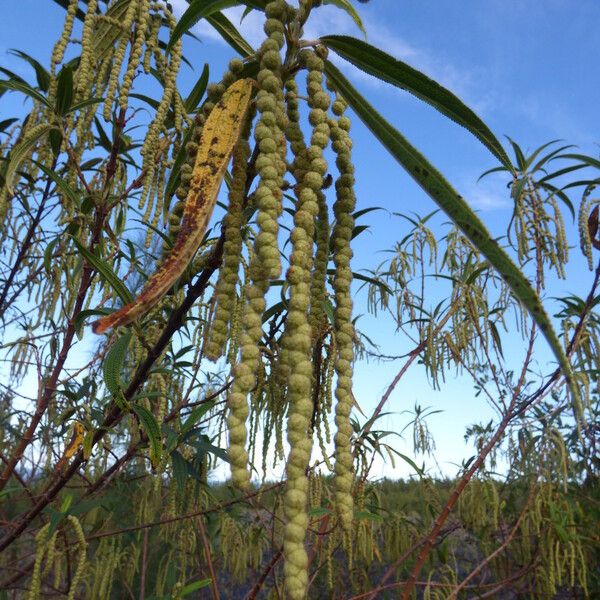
220, 134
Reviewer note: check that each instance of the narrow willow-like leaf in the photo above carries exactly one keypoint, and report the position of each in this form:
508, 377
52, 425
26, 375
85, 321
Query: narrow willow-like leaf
84, 104
6, 123
25, 88
180, 469
150, 101
106, 272
48, 254
42, 76
61, 184
192, 101
387, 68
195, 585
454, 205
230, 34
64, 91
151, 429
196, 11
20, 153
105, 33
346, 6
366, 279
197, 413
113, 364
79, 13
174, 175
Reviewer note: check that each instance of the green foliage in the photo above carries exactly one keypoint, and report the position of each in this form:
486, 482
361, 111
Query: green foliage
114, 449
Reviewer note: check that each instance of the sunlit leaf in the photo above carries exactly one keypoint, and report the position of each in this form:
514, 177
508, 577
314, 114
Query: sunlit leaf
196, 11
192, 101
20, 153
186, 590
106, 272
387, 68
25, 88
64, 91
42, 76
151, 429
231, 35
454, 205
113, 364
346, 6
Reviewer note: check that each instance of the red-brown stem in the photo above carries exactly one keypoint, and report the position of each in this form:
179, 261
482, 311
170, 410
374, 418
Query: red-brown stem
412, 356
208, 556
27, 241
49, 387
464, 480
253, 593
143, 566
495, 553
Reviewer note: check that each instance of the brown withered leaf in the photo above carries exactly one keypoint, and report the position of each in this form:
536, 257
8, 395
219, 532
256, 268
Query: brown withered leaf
220, 134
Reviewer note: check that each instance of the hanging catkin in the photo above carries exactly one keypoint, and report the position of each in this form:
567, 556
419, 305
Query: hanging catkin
344, 328
298, 338
232, 250
264, 262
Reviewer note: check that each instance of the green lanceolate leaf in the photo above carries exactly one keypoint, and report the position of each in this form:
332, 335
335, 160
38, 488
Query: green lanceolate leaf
230, 34
151, 429
20, 153
105, 33
48, 254
454, 205
6, 123
25, 88
194, 586
84, 104
346, 5
192, 101
61, 184
197, 413
64, 91
106, 272
180, 469
113, 364
196, 11
65, 4
42, 76
387, 68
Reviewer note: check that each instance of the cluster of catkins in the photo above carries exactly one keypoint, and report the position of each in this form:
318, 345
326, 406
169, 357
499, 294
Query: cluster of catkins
116, 47
280, 148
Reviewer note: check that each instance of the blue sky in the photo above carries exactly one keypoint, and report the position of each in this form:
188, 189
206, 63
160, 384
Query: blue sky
528, 68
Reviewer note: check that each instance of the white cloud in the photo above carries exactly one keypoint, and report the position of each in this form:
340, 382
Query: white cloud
488, 194
558, 119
